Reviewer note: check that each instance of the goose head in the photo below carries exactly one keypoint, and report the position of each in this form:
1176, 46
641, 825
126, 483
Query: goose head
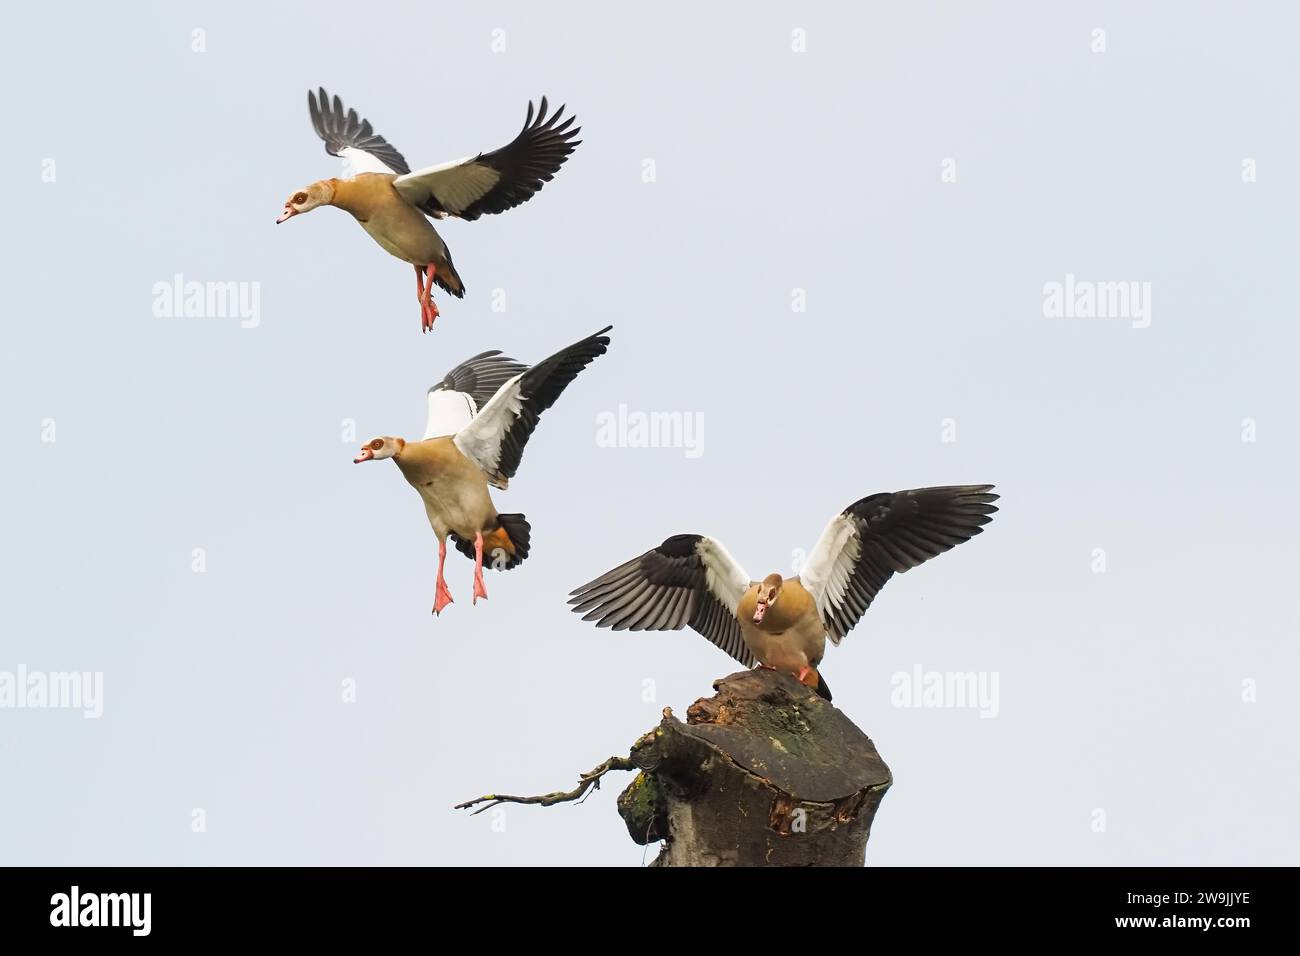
378, 449
319, 193
769, 591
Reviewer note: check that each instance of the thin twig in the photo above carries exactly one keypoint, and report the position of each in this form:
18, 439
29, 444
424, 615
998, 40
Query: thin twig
588, 781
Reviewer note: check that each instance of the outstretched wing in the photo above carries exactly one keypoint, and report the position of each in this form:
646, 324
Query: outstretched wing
872, 538
689, 579
495, 438
455, 400
351, 138
496, 181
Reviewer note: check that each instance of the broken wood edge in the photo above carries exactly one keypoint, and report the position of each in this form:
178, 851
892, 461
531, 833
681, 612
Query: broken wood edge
644, 806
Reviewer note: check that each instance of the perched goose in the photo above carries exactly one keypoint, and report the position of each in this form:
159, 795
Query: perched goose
392, 203
782, 623
479, 419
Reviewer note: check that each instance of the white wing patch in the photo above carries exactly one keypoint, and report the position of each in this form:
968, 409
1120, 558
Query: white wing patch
723, 575
828, 569
449, 412
455, 185
358, 161
480, 440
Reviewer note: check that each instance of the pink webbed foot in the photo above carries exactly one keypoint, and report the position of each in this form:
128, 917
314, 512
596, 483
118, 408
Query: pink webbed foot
428, 310
428, 315
804, 672
480, 590
442, 596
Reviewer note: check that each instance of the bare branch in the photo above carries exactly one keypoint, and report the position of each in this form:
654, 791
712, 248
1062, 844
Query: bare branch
587, 781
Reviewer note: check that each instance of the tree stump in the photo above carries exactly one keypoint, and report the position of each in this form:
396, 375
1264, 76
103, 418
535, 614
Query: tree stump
765, 773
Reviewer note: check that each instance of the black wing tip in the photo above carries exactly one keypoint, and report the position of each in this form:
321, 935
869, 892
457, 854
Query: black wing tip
600, 335
976, 495
579, 595
983, 496
528, 120
596, 338
973, 502
963, 494
955, 489
541, 116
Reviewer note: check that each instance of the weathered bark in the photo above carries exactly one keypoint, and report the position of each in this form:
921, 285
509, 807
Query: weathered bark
765, 773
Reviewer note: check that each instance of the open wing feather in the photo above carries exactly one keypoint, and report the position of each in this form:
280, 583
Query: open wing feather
352, 138
455, 400
495, 438
690, 579
496, 181
871, 539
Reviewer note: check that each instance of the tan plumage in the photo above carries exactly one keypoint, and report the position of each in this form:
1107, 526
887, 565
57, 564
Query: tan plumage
790, 637
401, 229
781, 622
454, 489
393, 204
480, 419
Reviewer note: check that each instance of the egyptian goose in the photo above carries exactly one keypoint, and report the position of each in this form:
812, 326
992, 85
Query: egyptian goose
392, 203
479, 419
782, 623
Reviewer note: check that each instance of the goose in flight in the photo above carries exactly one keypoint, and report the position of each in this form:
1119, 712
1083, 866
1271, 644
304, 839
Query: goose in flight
394, 204
782, 623
479, 419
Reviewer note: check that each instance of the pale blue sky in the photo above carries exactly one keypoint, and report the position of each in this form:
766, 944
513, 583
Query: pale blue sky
775, 170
